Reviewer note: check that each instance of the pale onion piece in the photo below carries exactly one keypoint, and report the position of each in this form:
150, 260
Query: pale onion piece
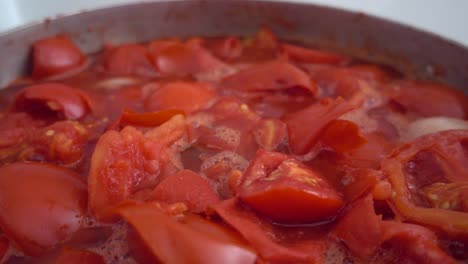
115, 83
430, 125
69, 73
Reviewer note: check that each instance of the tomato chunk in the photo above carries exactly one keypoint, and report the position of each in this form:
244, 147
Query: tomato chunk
191, 239
187, 187
287, 191
186, 96
128, 161
41, 205
130, 117
305, 126
55, 55
342, 136
269, 76
54, 98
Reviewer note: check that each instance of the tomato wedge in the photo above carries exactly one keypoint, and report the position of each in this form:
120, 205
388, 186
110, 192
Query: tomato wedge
186, 187
54, 98
40, 205
185, 96
342, 136
305, 126
286, 191
55, 55
190, 239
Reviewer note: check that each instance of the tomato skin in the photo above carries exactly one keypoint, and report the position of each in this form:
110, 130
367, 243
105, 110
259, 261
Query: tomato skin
4, 246
129, 117
305, 126
262, 236
428, 99
186, 96
342, 136
360, 228
69, 102
55, 55
187, 187
268, 77
128, 59
78, 256
54, 198
289, 192
301, 54
190, 240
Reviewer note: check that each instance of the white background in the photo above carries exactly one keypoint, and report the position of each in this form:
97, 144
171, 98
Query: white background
448, 18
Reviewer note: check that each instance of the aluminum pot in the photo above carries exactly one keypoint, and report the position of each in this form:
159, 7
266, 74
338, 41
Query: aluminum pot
417, 53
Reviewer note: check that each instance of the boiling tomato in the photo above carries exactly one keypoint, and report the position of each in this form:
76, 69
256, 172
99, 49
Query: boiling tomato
301, 54
287, 191
41, 99
41, 205
55, 55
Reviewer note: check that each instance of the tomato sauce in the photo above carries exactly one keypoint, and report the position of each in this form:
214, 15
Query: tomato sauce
229, 150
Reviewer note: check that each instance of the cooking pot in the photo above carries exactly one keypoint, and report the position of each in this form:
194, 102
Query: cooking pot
420, 54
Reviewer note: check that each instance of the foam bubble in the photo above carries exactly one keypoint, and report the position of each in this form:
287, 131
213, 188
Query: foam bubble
228, 135
115, 249
234, 160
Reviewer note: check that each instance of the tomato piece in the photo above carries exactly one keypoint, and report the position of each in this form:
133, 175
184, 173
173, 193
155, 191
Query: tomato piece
286, 191
416, 242
374, 73
301, 54
335, 82
128, 59
16, 128
186, 187
342, 136
55, 55
190, 239
358, 182
262, 236
129, 117
55, 98
186, 96
360, 228
78, 256
262, 47
53, 198
268, 77
128, 161
427, 99
302, 138
180, 59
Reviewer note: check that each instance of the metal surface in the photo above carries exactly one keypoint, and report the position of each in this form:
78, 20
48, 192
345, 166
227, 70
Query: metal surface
405, 48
